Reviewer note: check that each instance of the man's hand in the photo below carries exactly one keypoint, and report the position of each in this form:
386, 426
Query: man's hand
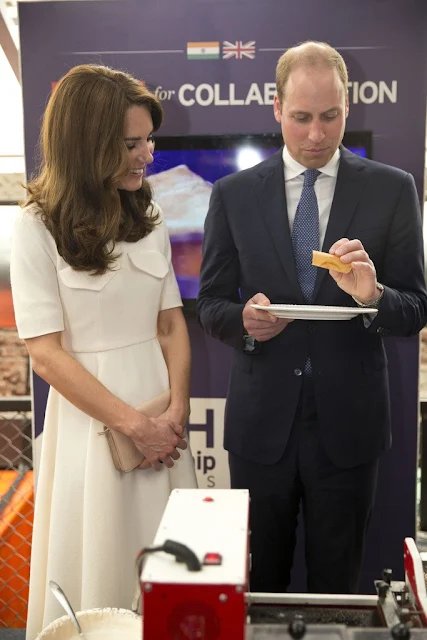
361, 282
262, 325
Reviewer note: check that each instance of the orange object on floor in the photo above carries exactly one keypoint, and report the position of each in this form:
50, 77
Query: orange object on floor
7, 317
16, 526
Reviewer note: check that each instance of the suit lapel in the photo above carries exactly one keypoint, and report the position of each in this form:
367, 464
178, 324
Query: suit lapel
272, 205
350, 183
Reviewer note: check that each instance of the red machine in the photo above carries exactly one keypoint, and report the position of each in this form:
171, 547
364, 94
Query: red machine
194, 585
202, 595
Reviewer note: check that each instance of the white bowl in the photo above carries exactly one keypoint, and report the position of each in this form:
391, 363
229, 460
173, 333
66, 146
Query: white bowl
96, 624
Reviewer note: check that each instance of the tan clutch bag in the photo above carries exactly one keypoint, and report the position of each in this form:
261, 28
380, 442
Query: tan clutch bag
126, 456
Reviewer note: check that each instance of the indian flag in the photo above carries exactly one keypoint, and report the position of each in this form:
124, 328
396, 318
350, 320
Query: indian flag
203, 50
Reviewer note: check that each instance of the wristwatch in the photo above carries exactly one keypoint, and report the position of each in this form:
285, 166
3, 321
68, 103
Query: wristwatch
250, 345
376, 303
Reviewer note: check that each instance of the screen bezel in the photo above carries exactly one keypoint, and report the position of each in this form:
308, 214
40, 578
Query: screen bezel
235, 140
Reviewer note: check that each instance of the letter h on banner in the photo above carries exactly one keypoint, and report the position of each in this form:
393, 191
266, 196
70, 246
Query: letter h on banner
208, 428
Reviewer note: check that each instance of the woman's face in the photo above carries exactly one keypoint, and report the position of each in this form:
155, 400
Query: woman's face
140, 143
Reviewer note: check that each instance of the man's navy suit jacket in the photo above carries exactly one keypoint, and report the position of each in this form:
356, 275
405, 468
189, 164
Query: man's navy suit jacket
248, 249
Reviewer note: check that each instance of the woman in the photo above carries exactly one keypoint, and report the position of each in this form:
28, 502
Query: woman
98, 306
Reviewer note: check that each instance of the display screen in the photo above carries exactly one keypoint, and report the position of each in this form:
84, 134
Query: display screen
182, 175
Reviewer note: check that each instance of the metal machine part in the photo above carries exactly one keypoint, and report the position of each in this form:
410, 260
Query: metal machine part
213, 602
329, 632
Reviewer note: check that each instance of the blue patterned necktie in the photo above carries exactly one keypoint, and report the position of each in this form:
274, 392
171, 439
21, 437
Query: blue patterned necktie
305, 238
305, 234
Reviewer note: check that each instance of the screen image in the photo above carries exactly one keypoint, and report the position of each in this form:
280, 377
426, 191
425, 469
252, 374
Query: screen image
182, 175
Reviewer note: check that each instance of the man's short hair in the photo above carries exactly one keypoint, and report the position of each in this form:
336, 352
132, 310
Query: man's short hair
311, 54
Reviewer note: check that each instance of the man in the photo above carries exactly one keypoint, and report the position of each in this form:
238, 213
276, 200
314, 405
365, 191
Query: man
307, 412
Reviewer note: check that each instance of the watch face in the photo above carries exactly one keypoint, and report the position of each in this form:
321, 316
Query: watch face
375, 304
249, 344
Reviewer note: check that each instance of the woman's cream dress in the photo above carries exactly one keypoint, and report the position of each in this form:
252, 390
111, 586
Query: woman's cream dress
91, 520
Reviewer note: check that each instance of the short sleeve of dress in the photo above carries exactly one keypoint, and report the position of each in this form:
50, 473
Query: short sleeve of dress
171, 296
33, 275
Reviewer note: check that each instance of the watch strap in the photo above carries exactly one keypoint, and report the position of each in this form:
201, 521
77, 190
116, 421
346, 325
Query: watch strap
375, 303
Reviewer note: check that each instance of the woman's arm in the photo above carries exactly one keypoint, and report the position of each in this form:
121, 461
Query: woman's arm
55, 365
175, 344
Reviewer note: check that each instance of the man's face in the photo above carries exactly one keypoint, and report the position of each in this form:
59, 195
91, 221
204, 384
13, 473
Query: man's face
312, 115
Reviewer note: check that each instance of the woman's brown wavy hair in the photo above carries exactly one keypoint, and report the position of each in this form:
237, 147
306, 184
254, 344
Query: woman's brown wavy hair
84, 155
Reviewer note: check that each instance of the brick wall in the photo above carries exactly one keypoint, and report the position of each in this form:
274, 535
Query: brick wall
13, 364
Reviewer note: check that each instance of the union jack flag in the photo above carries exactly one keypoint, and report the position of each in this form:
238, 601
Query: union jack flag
238, 50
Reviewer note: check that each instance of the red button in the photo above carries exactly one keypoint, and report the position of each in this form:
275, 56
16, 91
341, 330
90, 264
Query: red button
212, 558
207, 499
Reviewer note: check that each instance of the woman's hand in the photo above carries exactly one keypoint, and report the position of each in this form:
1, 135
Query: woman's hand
177, 417
158, 439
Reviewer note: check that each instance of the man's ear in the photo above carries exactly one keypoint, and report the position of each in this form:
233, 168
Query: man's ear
277, 108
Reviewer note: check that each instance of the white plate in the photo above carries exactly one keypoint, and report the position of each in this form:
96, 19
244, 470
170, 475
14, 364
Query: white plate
314, 311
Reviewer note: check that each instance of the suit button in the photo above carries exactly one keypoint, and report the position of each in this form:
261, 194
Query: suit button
380, 330
311, 328
297, 372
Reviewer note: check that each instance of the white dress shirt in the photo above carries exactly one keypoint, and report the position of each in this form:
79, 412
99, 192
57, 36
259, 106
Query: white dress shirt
324, 188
